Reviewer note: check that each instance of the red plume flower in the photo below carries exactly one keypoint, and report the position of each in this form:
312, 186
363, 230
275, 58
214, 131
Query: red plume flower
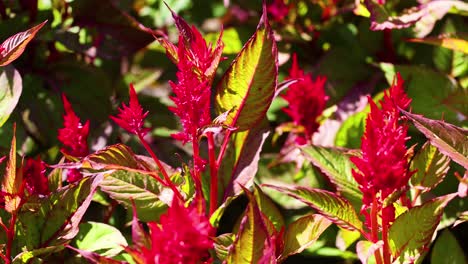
278, 10
197, 63
306, 100
132, 117
34, 173
383, 167
73, 135
182, 237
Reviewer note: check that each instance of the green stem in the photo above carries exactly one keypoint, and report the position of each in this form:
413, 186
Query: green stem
160, 166
213, 173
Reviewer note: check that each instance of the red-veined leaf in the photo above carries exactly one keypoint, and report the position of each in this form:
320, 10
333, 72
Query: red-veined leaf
413, 229
248, 86
328, 204
14, 46
12, 181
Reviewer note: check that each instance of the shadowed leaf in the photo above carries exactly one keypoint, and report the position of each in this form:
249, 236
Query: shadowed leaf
11, 86
447, 242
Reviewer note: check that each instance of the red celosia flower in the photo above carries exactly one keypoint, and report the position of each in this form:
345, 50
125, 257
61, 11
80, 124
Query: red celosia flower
306, 100
73, 135
278, 10
132, 117
182, 237
35, 178
197, 63
383, 167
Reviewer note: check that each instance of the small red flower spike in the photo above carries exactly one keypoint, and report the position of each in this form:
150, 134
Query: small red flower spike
132, 117
34, 173
306, 100
73, 135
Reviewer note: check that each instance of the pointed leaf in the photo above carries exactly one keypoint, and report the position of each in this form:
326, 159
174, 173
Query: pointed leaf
248, 86
449, 43
449, 139
302, 233
447, 242
252, 237
100, 238
240, 163
268, 208
12, 181
14, 46
328, 204
335, 164
11, 86
222, 244
430, 165
115, 156
54, 220
413, 230
144, 190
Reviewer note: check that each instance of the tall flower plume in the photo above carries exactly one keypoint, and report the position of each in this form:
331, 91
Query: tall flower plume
197, 63
181, 237
383, 167
306, 100
132, 117
34, 173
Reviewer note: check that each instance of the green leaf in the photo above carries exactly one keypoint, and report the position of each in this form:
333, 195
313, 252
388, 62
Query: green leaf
248, 86
11, 87
231, 40
54, 220
413, 230
328, 204
14, 46
12, 181
351, 130
430, 165
449, 43
302, 233
335, 164
268, 208
222, 244
445, 243
240, 162
430, 91
449, 139
345, 238
144, 190
100, 238
29, 256
111, 157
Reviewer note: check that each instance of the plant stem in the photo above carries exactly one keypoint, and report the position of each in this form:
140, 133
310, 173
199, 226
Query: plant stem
223, 148
10, 236
160, 166
213, 173
375, 229
196, 172
386, 249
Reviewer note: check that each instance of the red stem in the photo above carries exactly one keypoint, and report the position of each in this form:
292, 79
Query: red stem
196, 173
223, 148
10, 236
161, 168
213, 173
375, 229
386, 249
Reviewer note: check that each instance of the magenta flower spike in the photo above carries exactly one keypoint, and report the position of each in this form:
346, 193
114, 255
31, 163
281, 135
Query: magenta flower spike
307, 100
34, 173
74, 134
132, 117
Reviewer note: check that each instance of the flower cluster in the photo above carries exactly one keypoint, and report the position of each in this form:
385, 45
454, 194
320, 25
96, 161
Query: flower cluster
278, 10
181, 237
383, 167
197, 63
74, 137
132, 117
34, 173
306, 100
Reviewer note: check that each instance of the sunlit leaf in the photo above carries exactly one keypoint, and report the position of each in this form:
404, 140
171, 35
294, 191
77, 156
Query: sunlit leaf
335, 164
100, 238
449, 139
302, 233
222, 244
328, 204
14, 46
11, 86
29, 256
413, 230
268, 208
12, 180
248, 86
430, 167
346, 238
449, 43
